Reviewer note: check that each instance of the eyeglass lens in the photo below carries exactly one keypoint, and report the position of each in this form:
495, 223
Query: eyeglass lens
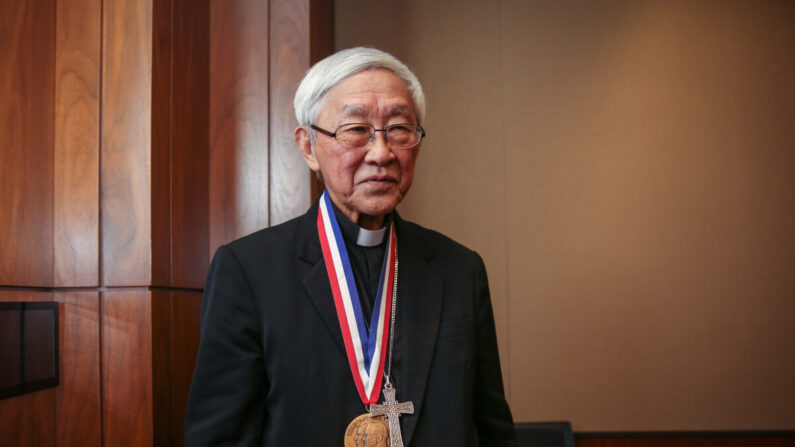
359, 135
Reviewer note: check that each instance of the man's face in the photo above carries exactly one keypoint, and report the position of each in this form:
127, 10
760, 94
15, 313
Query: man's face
369, 181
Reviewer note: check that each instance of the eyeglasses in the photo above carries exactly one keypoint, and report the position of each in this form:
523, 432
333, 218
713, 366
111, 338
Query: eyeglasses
359, 135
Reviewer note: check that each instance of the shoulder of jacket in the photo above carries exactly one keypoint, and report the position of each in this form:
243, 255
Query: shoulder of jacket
434, 241
268, 239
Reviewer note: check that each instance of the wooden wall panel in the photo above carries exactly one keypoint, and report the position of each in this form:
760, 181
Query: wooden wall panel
27, 38
321, 44
289, 60
185, 311
321, 29
7, 295
162, 25
161, 368
190, 145
77, 398
134, 139
28, 420
127, 367
126, 142
76, 150
238, 185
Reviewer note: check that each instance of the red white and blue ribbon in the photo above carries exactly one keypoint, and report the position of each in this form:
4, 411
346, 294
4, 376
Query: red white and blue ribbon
366, 350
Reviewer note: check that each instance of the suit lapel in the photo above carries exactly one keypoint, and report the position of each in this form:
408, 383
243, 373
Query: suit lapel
316, 282
419, 305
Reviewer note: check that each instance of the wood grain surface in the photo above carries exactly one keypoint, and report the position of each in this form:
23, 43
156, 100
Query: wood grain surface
137, 136
321, 29
289, 60
238, 177
127, 367
126, 142
321, 44
77, 398
185, 311
76, 150
190, 145
162, 123
28, 420
161, 368
27, 39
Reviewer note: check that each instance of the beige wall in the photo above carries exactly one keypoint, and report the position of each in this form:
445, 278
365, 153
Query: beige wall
627, 171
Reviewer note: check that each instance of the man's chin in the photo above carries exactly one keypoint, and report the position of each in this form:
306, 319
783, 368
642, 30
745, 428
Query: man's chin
379, 188
379, 206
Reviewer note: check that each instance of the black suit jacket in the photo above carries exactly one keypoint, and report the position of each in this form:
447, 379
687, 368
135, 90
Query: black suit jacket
272, 369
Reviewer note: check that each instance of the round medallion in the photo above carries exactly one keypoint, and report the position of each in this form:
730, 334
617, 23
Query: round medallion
367, 431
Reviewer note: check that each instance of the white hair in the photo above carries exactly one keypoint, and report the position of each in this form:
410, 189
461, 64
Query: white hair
332, 70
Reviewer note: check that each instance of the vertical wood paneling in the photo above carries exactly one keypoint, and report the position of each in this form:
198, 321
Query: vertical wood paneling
70, 412
321, 44
127, 367
289, 60
27, 39
190, 145
126, 142
185, 311
28, 420
76, 151
321, 29
162, 124
161, 369
77, 398
238, 186
144, 124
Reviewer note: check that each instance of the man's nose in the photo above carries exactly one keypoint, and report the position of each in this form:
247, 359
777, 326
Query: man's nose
378, 151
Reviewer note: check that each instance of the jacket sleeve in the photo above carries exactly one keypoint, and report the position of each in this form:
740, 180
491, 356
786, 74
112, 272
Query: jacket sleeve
492, 414
226, 401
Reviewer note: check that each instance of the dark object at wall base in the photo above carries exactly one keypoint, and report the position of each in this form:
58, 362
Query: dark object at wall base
28, 347
544, 434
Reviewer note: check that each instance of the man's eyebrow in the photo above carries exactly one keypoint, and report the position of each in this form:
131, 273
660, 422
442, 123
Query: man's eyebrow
399, 110
353, 110
356, 110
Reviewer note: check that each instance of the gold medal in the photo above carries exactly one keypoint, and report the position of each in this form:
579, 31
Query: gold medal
367, 431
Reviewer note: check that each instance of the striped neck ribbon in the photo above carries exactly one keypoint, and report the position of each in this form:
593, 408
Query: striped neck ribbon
366, 347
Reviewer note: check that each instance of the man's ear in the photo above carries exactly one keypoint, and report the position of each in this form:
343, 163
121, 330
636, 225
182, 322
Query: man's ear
301, 137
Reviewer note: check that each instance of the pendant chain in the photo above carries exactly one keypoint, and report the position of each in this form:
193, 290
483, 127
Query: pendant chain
388, 368
392, 319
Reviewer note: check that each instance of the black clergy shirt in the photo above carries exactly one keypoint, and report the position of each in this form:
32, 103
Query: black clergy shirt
366, 262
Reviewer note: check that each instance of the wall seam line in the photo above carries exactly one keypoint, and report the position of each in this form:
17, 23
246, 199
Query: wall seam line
100, 222
506, 227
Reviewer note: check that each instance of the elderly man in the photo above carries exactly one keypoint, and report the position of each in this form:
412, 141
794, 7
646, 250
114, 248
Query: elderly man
349, 325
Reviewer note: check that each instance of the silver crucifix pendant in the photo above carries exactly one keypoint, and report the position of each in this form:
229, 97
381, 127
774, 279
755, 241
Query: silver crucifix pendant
392, 410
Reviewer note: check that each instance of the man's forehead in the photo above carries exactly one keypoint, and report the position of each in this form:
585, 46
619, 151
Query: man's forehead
369, 93
363, 110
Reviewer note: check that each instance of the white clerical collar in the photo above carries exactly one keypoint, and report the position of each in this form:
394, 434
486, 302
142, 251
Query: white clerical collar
370, 238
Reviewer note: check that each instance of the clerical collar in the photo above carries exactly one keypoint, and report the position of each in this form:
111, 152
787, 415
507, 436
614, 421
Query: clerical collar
361, 236
370, 238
